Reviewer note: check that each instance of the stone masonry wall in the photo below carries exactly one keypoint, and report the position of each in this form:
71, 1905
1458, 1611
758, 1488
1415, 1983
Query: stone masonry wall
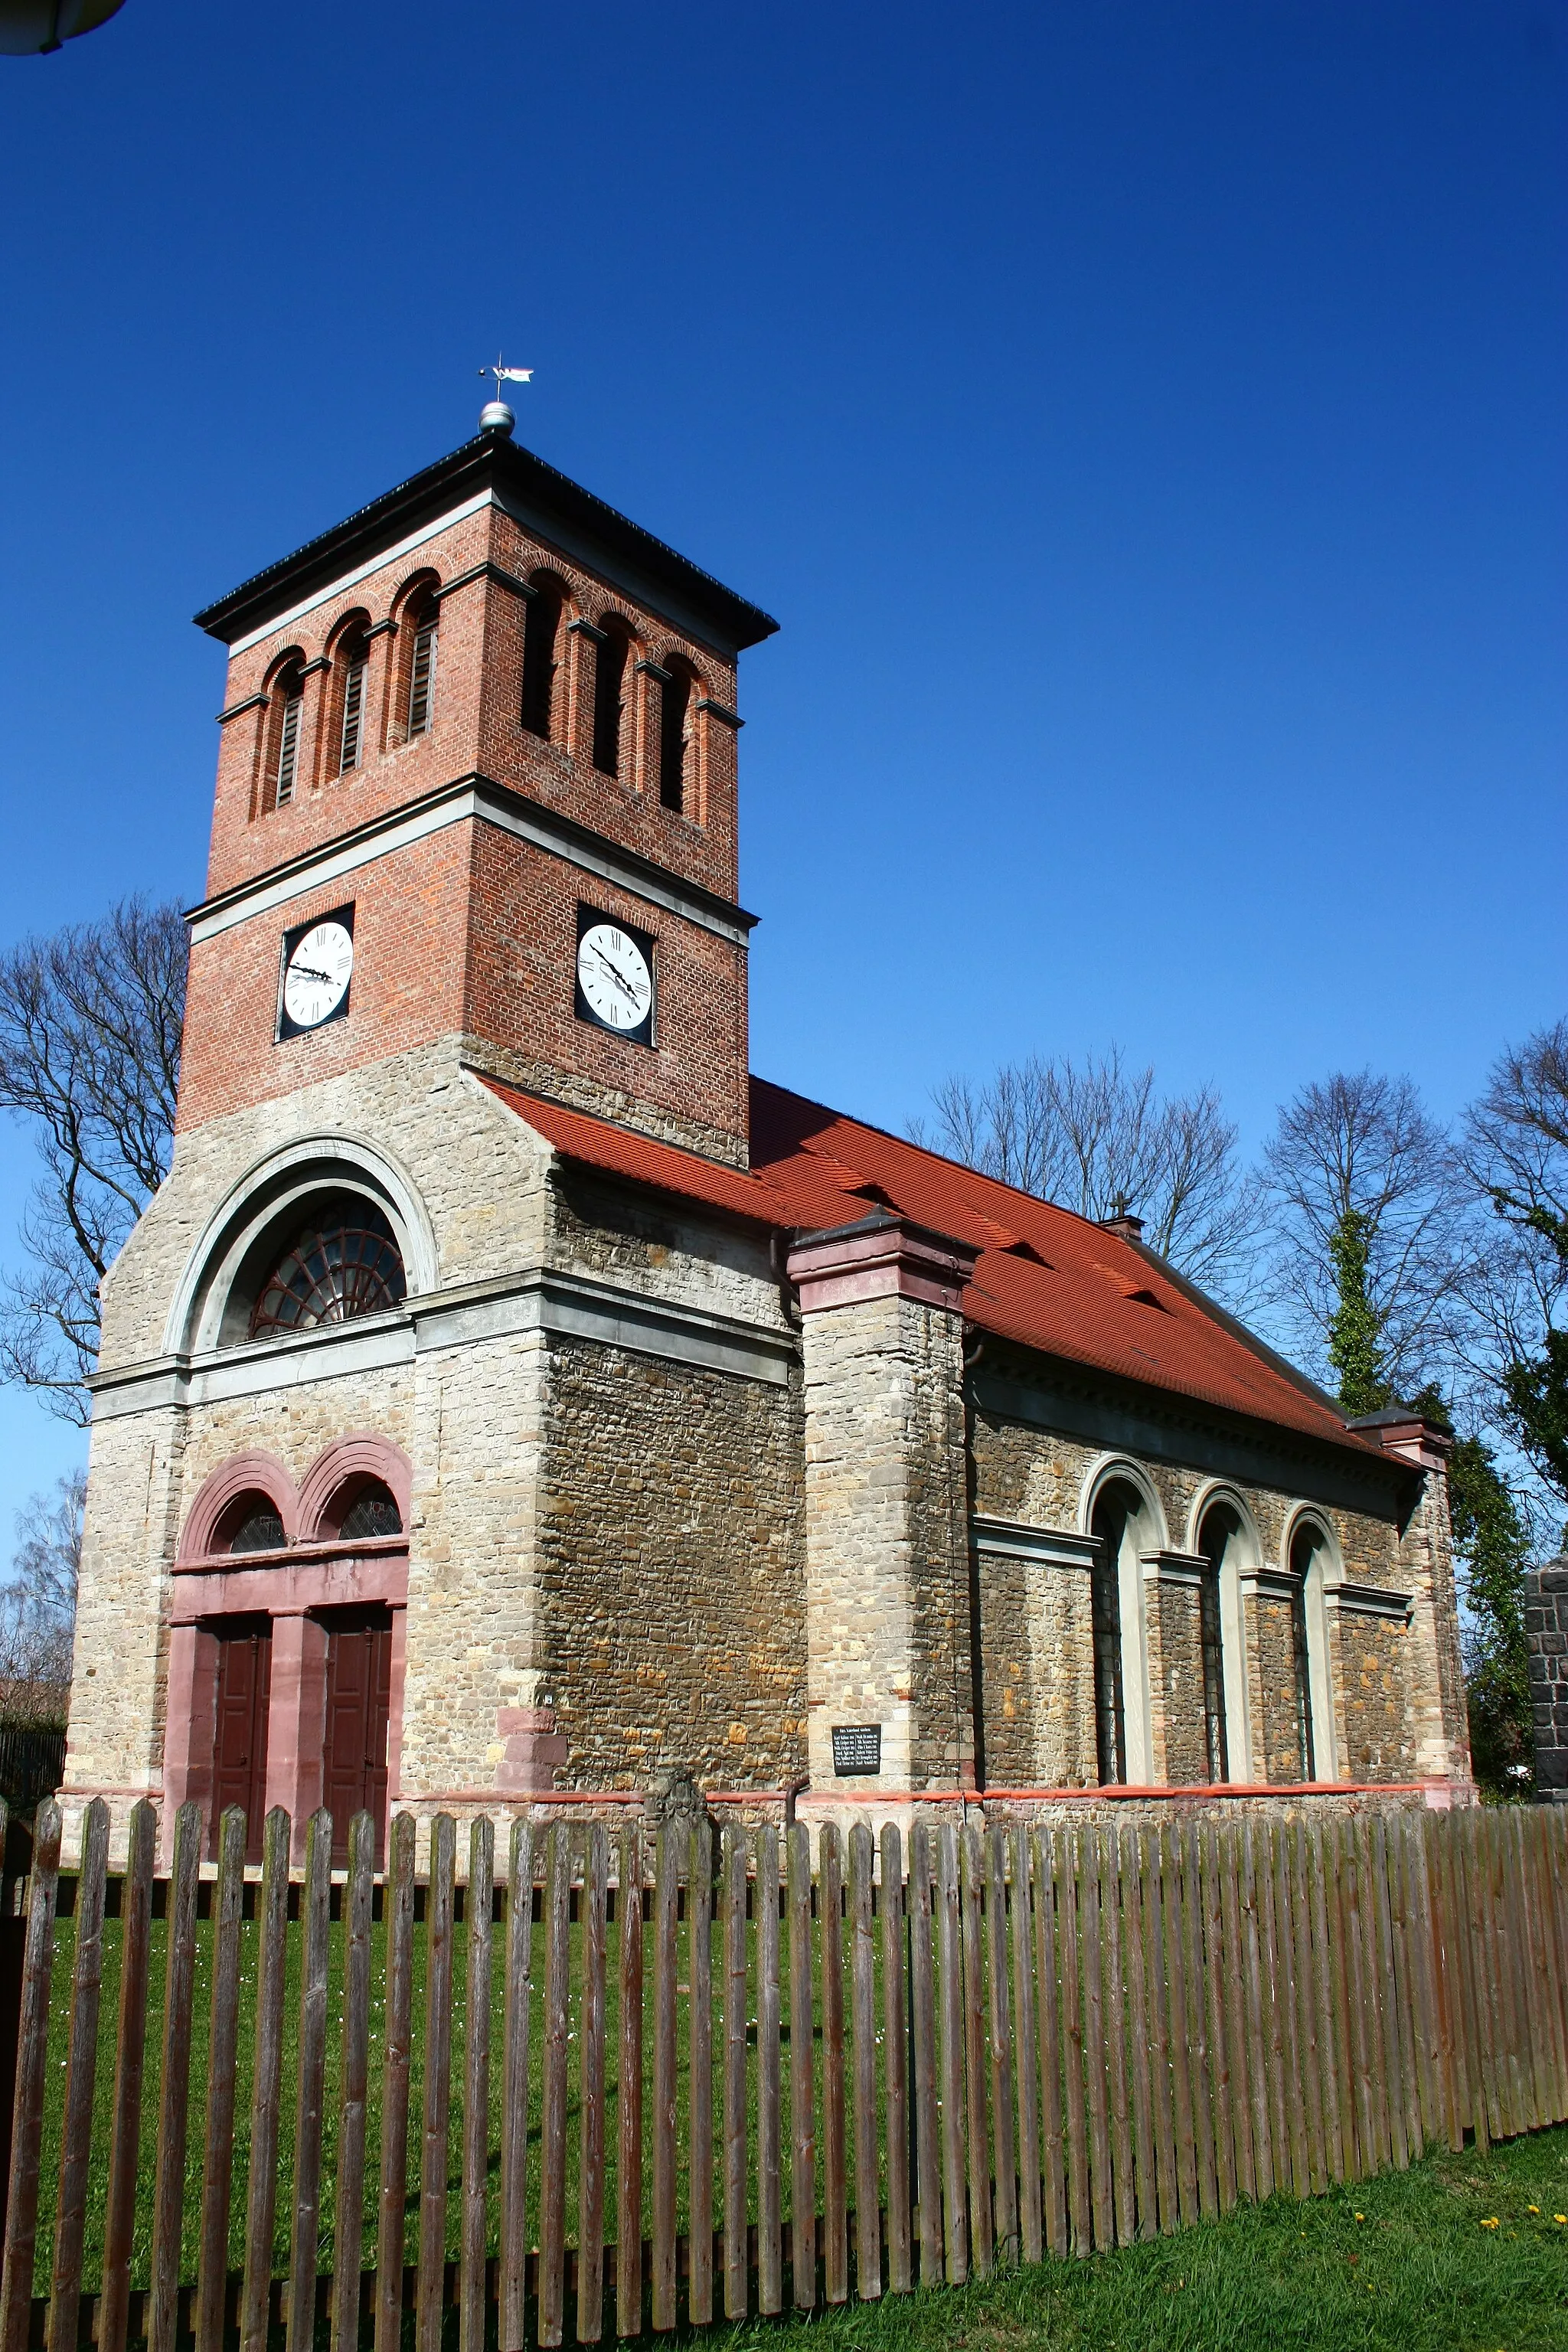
1546, 1632
671, 1563
1035, 1649
888, 1620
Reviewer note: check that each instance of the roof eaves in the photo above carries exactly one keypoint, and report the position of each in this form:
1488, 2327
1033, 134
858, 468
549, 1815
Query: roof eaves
508, 466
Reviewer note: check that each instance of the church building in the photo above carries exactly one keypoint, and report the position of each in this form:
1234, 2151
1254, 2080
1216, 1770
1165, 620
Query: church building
508, 1400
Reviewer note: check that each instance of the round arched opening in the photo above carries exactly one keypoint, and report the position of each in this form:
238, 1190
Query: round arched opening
338, 1260
361, 1509
1124, 1520
252, 1522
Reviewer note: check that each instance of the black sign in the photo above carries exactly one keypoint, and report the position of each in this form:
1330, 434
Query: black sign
856, 1748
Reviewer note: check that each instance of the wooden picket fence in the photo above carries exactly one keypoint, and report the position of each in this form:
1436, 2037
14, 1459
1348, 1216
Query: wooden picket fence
770, 2086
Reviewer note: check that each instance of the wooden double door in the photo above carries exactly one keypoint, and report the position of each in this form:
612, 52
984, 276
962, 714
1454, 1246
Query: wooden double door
355, 1722
359, 1717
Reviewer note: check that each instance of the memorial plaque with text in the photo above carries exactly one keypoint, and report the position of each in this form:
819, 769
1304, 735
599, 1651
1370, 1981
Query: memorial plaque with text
857, 1748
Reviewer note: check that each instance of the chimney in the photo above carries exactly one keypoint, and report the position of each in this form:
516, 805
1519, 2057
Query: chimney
1123, 1224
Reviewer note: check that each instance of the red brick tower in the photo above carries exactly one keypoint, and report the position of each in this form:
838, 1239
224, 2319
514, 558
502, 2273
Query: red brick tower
482, 720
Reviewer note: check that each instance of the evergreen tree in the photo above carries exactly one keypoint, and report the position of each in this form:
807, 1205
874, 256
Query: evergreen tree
1354, 1332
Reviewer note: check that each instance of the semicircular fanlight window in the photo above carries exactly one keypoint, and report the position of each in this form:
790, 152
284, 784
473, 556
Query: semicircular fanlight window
345, 1262
257, 1526
372, 1512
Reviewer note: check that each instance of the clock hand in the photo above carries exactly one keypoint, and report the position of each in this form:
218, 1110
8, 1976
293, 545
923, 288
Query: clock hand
621, 982
309, 972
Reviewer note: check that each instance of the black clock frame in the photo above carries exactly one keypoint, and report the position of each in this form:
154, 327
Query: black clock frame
587, 918
286, 1027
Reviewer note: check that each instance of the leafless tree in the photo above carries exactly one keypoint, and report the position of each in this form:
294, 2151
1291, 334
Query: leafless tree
38, 1603
1359, 1153
90, 1057
1516, 1154
1099, 1138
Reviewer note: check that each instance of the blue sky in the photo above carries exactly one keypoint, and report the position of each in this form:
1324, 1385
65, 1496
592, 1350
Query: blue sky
1147, 422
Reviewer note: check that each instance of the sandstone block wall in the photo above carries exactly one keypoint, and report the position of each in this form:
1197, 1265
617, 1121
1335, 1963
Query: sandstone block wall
1035, 1672
671, 1561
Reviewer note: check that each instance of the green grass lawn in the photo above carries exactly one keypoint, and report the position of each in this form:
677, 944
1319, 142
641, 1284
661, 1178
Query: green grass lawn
1407, 2262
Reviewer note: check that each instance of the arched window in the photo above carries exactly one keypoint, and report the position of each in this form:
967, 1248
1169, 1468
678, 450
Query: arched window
1126, 1520
1219, 1539
540, 630
251, 1523
674, 741
353, 665
288, 699
610, 657
424, 619
343, 1261
1308, 1546
361, 1509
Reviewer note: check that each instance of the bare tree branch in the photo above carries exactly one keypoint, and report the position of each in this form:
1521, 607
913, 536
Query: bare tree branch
1097, 1137
38, 1603
90, 1055
1360, 1150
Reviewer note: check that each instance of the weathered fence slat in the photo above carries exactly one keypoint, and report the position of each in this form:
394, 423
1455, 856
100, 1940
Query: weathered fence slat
1273, 2004
1124, 2191
591, 2086
32, 2062
1237, 2012
1310, 2083
1258, 2072
1000, 2022
953, 2187
552, 2088
735, 2148
305, 2235
982, 2219
130, 2045
922, 2016
1030, 2231
434, 2159
1100, 2184
666, 1907
1065, 1858
479, 1909
1211, 1936
515, 2089
834, 2192
348, 2228
81, 2066
392, 2206
802, 2077
700, 2066
770, 2151
1145, 2198
863, 2065
1386, 1957
895, 2060
1152, 1875
629, 2094
1172, 1897
1054, 2199
266, 2080
1199, 2053
1286, 2005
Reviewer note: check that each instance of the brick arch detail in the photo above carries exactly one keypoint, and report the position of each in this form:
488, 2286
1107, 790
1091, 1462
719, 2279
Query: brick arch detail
242, 1474
360, 1457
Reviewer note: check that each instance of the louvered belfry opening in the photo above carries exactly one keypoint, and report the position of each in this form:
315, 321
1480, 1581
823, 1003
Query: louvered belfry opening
291, 691
675, 703
351, 738
539, 631
610, 679
422, 669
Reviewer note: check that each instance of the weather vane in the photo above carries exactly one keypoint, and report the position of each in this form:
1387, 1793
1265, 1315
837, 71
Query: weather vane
507, 375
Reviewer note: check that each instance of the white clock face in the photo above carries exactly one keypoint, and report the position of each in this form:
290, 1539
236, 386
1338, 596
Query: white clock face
613, 974
318, 975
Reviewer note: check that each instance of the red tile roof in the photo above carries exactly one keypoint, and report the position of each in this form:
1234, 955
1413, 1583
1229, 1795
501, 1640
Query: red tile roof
1046, 1277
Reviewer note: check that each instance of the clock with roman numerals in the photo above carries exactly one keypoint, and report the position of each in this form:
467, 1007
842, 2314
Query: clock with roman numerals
615, 976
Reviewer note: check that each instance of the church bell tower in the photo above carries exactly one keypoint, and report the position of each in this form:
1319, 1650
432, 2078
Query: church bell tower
477, 779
